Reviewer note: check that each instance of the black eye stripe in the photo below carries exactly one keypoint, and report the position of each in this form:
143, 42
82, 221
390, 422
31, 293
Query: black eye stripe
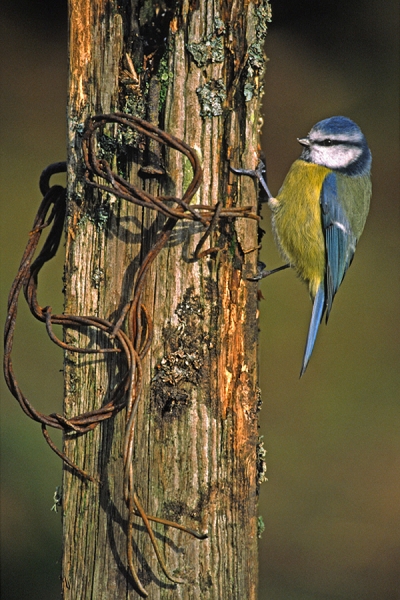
330, 142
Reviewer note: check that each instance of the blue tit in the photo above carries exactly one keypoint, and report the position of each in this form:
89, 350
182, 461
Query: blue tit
320, 212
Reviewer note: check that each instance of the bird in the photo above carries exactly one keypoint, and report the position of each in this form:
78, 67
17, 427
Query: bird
320, 212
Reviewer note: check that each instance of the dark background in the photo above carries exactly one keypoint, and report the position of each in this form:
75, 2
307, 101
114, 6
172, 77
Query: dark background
331, 506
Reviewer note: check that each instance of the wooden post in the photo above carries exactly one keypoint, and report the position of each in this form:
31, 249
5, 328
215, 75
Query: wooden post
195, 70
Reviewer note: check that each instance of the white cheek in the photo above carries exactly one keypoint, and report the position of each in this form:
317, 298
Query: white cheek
335, 157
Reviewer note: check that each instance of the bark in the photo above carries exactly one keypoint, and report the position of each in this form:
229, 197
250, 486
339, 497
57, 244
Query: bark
198, 68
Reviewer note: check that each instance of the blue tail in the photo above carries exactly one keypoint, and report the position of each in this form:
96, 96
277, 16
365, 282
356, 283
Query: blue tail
316, 318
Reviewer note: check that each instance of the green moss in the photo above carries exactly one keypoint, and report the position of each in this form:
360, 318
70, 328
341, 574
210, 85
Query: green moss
101, 213
256, 59
133, 102
261, 464
211, 97
211, 48
165, 76
107, 147
232, 245
187, 173
260, 526
182, 365
248, 90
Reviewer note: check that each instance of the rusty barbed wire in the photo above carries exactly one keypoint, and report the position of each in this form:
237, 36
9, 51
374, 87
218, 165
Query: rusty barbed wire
133, 345
128, 191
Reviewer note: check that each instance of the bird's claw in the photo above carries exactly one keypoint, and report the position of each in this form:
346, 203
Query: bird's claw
258, 173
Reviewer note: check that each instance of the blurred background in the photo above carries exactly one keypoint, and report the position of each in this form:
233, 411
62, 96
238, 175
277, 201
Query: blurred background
331, 506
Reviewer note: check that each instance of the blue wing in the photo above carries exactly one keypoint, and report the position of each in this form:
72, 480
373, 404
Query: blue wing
340, 242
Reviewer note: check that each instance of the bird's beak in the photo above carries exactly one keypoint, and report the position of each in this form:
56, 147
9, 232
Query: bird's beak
304, 141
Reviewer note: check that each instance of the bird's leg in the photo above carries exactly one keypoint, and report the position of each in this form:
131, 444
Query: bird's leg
263, 272
258, 173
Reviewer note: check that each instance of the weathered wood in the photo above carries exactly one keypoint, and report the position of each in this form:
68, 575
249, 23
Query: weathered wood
198, 68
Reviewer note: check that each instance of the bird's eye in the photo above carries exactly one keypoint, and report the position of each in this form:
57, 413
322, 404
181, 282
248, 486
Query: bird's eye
326, 142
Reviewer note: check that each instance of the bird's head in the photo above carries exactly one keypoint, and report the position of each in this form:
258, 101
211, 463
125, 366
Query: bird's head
339, 144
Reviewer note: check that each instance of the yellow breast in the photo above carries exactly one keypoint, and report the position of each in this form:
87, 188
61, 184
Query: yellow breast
297, 223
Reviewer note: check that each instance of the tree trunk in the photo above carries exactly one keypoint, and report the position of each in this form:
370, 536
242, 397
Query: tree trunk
195, 70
